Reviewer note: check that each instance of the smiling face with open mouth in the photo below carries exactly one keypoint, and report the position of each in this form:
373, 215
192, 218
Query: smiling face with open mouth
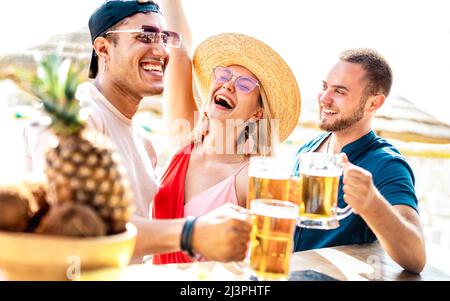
227, 102
223, 102
136, 64
154, 67
342, 100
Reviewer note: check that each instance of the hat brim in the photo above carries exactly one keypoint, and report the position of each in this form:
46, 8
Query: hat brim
276, 78
93, 68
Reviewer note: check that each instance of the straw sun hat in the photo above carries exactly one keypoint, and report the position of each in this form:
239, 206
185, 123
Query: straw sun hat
277, 81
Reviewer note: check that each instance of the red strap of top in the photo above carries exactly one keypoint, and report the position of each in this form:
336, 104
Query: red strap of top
169, 200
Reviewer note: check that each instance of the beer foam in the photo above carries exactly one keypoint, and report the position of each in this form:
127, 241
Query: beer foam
333, 173
275, 211
269, 168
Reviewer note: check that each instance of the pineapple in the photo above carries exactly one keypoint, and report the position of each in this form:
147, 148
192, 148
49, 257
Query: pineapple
81, 168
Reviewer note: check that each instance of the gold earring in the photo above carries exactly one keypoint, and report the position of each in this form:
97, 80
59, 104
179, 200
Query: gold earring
104, 66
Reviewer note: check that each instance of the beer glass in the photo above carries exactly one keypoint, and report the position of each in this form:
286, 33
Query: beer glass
268, 179
316, 191
271, 245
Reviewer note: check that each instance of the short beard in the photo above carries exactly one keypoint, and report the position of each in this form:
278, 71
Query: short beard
345, 123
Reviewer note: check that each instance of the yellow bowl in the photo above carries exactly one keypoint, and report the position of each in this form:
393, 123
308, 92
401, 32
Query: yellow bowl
26, 256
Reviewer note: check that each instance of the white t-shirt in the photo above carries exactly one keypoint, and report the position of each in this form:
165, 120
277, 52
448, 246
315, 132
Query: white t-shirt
131, 142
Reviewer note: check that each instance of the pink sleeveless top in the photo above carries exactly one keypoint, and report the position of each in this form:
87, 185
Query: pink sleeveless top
169, 200
214, 197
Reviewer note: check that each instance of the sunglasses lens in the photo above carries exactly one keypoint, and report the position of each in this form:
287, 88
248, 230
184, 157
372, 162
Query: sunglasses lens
245, 84
149, 37
222, 75
171, 39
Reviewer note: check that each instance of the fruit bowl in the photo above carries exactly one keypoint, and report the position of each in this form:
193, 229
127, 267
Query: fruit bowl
36, 257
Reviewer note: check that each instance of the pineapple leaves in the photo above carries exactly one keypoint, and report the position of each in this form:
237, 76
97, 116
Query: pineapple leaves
55, 82
57, 79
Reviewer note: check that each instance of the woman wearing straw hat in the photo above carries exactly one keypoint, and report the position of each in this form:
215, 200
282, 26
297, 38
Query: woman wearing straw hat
248, 95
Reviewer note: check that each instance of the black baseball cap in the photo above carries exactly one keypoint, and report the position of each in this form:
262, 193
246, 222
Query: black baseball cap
110, 13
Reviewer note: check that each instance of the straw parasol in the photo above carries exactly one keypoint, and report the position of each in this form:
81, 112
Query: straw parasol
75, 45
401, 119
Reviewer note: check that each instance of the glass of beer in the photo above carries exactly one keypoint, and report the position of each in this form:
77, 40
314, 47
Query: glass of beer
272, 238
316, 191
268, 179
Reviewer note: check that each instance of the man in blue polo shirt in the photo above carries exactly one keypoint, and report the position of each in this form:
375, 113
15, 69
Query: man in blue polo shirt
377, 181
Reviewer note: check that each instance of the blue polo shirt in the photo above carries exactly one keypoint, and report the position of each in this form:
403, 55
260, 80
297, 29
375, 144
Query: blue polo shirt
391, 174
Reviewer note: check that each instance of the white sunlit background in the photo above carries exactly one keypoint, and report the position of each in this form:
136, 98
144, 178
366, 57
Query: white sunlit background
413, 35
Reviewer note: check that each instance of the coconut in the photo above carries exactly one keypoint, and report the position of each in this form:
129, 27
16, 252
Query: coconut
70, 219
14, 209
39, 206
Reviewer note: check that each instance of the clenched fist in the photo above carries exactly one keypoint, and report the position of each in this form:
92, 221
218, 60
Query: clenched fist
359, 191
223, 234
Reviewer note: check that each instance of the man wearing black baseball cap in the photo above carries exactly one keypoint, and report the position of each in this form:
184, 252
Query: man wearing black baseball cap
109, 15
130, 55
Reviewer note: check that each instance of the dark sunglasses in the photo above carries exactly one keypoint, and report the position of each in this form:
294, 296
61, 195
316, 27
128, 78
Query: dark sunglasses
244, 84
150, 35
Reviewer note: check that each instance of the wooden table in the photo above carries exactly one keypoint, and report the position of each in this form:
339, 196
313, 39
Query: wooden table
356, 262
361, 262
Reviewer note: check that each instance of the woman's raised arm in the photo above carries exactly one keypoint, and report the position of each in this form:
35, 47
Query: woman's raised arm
178, 101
